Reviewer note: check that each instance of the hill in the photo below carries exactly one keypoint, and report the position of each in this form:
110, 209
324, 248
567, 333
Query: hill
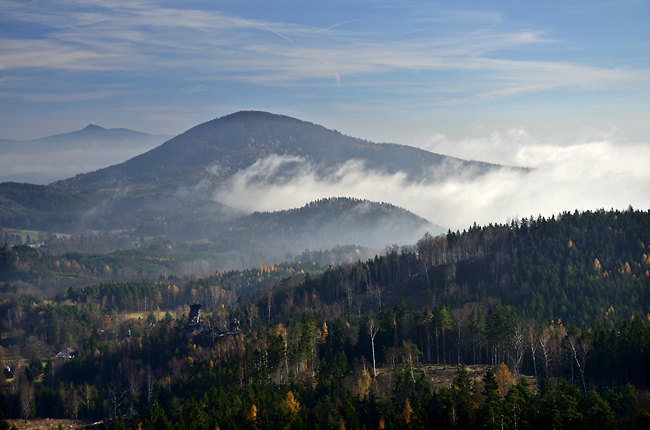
550, 315
217, 149
28, 206
325, 224
191, 188
572, 268
258, 238
52, 158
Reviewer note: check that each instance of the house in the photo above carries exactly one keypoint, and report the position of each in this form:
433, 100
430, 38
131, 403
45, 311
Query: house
195, 314
66, 354
8, 372
194, 324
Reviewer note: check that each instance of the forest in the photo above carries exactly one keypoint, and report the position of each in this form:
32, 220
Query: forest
533, 324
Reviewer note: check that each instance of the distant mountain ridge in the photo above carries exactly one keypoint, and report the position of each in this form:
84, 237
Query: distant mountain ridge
52, 158
215, 150
91, 130
199, 187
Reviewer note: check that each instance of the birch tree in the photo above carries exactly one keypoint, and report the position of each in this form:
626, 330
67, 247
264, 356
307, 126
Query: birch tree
373, 328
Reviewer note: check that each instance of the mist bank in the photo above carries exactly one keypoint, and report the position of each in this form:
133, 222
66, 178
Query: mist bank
256, 202
585, 175
325, 224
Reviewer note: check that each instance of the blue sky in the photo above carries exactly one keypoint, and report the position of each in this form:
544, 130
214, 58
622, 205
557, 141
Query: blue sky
385, 71
563, 87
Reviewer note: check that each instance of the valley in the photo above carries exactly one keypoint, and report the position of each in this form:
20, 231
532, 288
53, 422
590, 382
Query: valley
341, 312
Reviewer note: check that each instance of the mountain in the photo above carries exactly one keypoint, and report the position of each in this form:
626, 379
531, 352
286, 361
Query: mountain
201, 186
325, 224
38, 207
217, 149
42, 161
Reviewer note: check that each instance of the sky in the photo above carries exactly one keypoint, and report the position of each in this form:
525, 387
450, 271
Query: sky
562, 87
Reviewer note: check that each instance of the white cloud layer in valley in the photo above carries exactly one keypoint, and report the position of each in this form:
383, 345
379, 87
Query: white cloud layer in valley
587, 175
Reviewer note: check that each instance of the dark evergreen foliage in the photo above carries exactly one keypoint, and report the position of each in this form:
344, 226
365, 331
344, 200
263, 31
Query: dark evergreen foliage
532, 325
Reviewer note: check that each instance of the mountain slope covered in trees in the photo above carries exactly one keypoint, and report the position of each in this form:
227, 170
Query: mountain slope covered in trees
184, 189
551, 315
217, 149
325, 224
574, 267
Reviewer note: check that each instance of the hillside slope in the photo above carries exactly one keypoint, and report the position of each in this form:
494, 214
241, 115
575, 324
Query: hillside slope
215, 150
325, 224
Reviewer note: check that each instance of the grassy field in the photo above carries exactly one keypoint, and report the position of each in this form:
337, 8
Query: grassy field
143, 315
33, 234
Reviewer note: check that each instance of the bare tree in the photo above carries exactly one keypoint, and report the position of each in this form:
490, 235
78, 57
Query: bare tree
116, 397
460, 316
425, 253
546, 345
373, 328
532, 343
72, 402
410, 355
87, 394
579, 351
496, 265
406, 251
135, 381
348, 287
519, 345
26, 400
374, 290
251, 313
149, 385
269, 300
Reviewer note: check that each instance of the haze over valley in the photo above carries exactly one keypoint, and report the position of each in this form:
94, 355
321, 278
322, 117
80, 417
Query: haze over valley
49, 159
205, 182
309, 215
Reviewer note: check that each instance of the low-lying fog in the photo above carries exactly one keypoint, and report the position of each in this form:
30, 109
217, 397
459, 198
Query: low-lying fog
601, 171
587, 175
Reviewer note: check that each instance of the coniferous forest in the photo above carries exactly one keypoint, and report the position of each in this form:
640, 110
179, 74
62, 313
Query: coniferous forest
535, 324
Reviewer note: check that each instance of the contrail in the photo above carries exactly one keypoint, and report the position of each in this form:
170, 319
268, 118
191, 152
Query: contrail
411, 32
336, 73
335, 25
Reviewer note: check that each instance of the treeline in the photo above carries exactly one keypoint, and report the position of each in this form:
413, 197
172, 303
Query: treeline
40, 207
34, 328
555, 312
27, 269
574, 267
338, 255
222, 287
314, 373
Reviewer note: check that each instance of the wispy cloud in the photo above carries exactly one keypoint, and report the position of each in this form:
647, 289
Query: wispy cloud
65, 98
314, 54
379, 57
145, 36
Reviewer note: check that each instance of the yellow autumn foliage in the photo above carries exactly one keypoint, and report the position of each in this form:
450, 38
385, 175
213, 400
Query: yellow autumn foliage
291, 405
504, 379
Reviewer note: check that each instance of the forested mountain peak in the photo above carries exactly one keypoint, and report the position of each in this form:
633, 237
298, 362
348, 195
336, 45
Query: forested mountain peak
327, 223
215, 150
